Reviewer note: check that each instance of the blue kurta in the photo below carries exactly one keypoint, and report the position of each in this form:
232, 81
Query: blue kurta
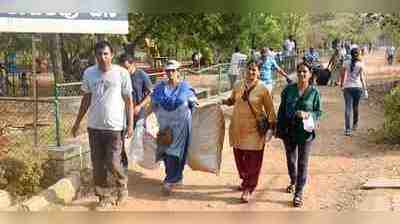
176, 116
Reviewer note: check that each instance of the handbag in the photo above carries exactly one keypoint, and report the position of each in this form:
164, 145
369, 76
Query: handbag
164, 137
262, 120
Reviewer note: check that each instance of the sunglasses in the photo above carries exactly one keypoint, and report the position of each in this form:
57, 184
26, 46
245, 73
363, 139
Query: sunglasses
170, 70
302, 71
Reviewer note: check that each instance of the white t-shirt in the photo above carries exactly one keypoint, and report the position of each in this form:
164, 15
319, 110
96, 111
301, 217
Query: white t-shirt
237, 59
390, 50
353, 79
289, 47
107, 107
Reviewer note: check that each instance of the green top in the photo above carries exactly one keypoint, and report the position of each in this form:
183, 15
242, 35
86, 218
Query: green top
289, 125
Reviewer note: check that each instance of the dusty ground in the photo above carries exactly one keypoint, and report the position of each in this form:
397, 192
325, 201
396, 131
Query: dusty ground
338, 166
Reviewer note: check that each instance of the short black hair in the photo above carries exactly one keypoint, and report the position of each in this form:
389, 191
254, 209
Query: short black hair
125, 57
101, 45
237, 49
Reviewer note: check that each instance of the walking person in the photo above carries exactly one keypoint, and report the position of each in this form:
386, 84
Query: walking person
354, 86
108, 100
250, 98
142, 88
290, 47
173, 101
3, 81
298, 113
267, 66
235, 68
390, 51
335, 64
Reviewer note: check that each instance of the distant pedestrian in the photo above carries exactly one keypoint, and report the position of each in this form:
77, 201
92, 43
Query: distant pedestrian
268, 65
237, 61
354, 86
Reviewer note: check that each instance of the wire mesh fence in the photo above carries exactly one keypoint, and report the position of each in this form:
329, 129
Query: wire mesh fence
67, 98
21, 127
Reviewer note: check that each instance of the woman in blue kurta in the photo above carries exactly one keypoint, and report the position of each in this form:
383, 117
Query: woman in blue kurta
300, 102
173, 101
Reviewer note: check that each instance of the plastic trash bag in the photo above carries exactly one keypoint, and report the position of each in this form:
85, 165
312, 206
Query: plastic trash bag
149, 160
142, 148
135, 148
208, 132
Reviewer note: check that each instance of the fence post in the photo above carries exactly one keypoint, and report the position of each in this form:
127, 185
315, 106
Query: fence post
35, 93
57, 114
219, 80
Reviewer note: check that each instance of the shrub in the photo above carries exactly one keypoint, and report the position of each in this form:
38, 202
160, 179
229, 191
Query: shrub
391, 126
25, 171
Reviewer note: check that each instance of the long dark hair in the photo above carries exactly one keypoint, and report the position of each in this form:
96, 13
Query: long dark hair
354, 58
311, 81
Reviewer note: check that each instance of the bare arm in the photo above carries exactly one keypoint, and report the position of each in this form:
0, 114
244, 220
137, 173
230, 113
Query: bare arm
342, 76
85, 103
363, 79
283, 73
138, 106
129, 110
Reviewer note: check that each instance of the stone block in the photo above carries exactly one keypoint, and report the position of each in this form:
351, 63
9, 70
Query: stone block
62, 192
5, 199
68, 158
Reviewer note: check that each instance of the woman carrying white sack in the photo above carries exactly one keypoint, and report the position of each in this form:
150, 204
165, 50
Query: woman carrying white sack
173, 102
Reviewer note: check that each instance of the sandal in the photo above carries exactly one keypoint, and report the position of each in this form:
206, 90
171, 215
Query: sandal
246, 197
290, 189
297, 202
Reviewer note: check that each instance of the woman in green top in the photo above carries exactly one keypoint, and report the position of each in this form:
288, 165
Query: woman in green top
298, 111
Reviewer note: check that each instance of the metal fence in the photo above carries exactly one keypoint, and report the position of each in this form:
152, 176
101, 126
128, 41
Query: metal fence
28, 123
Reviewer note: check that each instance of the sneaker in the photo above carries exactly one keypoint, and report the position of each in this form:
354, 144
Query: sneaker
122, 197
246, 197
105, 203
355, 127
167, 189
178, 184
347, 132
297, 202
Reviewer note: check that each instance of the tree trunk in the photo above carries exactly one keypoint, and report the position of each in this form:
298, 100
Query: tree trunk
56, 58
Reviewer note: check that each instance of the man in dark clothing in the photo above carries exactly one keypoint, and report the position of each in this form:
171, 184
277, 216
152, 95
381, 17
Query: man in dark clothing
141, 90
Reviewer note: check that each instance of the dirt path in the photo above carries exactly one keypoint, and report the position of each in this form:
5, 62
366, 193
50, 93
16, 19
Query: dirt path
338, 166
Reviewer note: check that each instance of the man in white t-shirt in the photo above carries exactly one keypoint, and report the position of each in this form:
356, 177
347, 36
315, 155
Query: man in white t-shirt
390, 54
108, 99
238, 60
289, 46
289, 52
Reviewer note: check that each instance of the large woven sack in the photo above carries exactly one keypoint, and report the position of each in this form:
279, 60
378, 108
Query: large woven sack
208, 132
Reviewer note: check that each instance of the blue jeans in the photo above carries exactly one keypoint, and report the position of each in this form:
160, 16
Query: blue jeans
352, 100
297, 157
